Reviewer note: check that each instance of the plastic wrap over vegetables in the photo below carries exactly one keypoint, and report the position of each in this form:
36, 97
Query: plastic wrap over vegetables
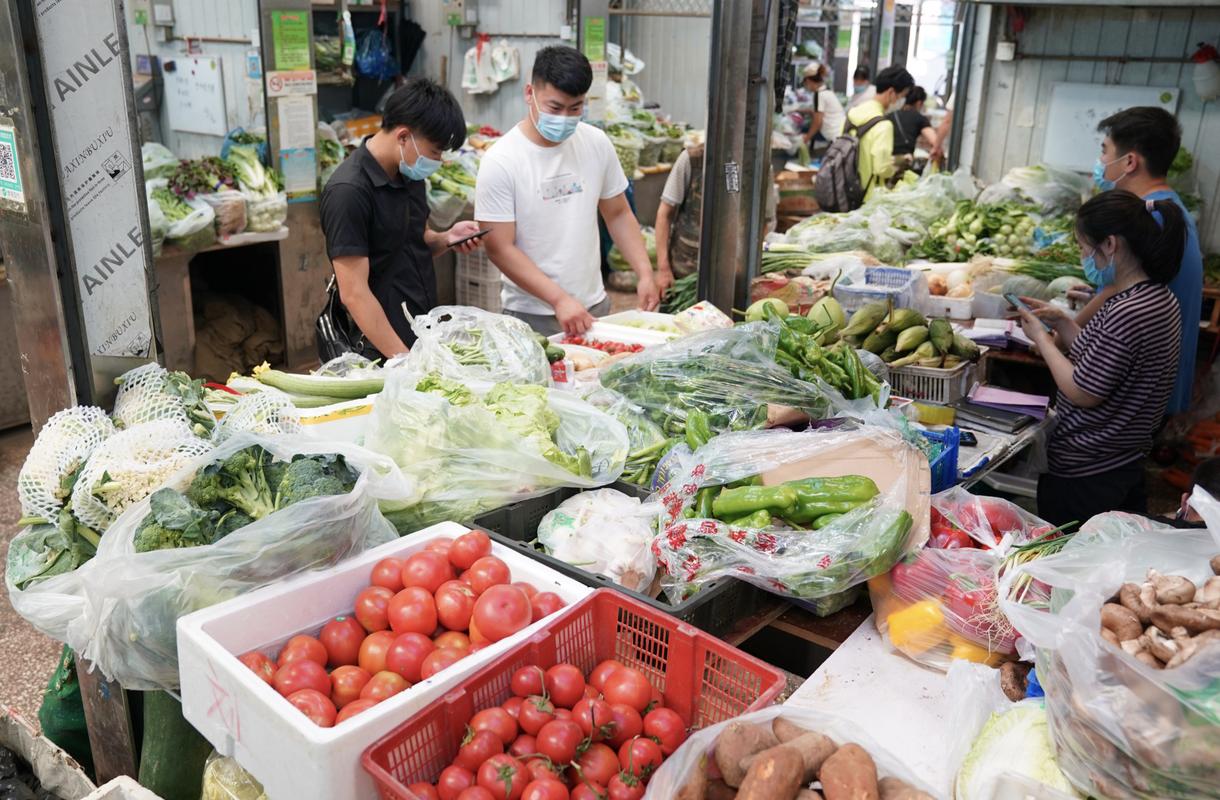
604, 531
471, 450
939, 604
1124, 728
1056, 191
120, 609
467, 344
840, 506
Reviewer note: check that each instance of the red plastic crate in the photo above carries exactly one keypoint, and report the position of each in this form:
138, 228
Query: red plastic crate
702, 678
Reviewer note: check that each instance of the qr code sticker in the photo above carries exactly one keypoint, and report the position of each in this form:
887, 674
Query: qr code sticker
8, 164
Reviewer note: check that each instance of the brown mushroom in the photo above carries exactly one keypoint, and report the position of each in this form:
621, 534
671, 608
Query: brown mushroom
1175, 589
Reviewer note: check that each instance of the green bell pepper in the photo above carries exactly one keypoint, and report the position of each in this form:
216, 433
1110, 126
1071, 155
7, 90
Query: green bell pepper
756, 521
734, 503
698, 429
824, 520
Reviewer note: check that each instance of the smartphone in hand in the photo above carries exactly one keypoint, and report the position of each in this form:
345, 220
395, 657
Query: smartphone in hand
475, 235
1021, 304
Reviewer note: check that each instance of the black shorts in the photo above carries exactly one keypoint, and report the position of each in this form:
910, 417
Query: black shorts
1062, 500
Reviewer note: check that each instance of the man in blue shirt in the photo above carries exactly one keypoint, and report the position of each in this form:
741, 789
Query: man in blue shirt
1138, 146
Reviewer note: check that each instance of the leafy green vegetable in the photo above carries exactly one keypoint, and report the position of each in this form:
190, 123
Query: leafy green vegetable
201, 176
171, 204
1181, 164
237, 481
174, 521
523, 410
314, 476
252, 176
681, 295
1003, 229
46, 550
1018, 741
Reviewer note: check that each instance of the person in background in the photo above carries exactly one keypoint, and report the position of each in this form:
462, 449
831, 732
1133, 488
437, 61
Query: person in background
910, 125
862, 89
943, 130
876, 150
1138, 146
539, 191
1207, 476
1114, 375
374, 214
827, 112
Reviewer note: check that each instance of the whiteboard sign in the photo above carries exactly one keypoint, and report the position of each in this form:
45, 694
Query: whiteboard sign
1072, 139
195, 95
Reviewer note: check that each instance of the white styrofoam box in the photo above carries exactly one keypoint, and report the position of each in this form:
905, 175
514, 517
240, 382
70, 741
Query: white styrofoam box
340, 422
245, 718
121, 788
951, 307
624, 319
603, 332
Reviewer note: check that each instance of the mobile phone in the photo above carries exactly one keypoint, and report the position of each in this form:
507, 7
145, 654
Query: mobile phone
967, 439
1021, 304
475, 235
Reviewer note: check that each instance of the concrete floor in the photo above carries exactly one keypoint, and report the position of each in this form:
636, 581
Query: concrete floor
27, 658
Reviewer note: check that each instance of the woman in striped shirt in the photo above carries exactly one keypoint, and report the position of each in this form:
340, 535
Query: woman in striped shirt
1116, 374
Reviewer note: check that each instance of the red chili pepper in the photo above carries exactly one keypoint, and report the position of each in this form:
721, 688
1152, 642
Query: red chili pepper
222, 387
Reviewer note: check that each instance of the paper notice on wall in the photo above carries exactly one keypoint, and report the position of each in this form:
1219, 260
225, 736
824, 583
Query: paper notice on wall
90, 105
297, 127
300, 170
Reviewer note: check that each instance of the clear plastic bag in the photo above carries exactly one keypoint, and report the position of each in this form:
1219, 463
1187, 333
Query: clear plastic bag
159, 160
1121, 728
120, 609
939, 604
266, 214
696, 752
1054, 190
224, 779
445, 207
230, 210
467, 344
196, 230
63, 445
860, 544
466, 461
604, 531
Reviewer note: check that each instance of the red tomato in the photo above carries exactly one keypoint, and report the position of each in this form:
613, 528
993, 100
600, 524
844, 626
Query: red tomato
439, 659
302, 646
527, 587
423, 791
591, 692
544, 604
501, 611
546, 789
513, 706
664, 725
342, 637
595, 718
346, 683
588, 790
383, 685
476, 793
625, 787
477, 747
487, 572
640, 756
453, 780
565, 684
373, 651
353, 708
535, 712
452, 640
406, 655
523, 746
476, 635
426, 569
597, 678
315, 705
261, 666
469, 548
440, 545
541, 769
628, 724
301, 674
413, 611
629, 687
371, 605
455, 604
563, 713
477, 646
527, 681
387, 573
599, 763
559, 739
504, 777
464, 577
498, 721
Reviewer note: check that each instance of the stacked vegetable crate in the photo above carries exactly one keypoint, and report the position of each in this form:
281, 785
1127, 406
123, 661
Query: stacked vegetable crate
477, 281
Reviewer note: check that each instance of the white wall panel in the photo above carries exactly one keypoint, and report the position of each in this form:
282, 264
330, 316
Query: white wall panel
675, 53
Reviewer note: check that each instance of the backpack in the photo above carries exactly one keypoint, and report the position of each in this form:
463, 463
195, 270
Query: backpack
837, 187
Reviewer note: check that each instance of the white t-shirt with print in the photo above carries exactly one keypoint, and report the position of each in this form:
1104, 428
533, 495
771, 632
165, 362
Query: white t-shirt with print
551, 194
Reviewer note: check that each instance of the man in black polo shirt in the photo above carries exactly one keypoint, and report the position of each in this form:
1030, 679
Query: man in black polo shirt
375, 213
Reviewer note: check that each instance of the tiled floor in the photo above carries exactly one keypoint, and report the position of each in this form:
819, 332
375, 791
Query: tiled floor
27, 658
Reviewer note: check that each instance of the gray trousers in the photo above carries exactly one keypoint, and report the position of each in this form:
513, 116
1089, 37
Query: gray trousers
547, 325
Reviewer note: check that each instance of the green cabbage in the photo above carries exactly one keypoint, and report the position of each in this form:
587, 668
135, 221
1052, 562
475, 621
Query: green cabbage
1016, 741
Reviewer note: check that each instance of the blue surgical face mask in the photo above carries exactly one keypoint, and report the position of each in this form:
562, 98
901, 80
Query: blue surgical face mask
555, 128
421, 169
1098, 277
1099, 175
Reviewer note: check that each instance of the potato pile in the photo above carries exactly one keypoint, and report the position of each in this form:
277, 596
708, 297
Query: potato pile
1166, 620
783, 761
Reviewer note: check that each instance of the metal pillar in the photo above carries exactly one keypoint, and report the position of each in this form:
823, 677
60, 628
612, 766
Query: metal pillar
737, 165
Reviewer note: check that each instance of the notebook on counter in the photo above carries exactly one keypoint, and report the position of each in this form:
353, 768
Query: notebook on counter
1007, 400
969, 413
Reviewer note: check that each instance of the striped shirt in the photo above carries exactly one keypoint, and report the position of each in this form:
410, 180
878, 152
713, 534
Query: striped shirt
1128, 355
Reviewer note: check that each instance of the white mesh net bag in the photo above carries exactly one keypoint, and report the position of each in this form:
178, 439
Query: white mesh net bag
62, 446
130, 466
267, 413
149, 392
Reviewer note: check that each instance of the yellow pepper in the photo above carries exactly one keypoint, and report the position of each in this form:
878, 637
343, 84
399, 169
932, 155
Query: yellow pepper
918, 627
966, 650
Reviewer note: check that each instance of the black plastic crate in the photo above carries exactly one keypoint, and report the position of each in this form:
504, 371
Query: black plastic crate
715, 608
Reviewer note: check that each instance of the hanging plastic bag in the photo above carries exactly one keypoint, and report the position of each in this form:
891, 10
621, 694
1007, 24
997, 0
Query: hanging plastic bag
627, 64
604, 532
120, 609
1122, 728
466, 344
266, 214
775, 537
478, 74
230, 210
470, 450
505, 62
158, 160
374, 57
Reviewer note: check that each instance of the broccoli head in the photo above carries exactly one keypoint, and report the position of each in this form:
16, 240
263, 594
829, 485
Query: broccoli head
230, 522
173, 521
238, 480
312, 477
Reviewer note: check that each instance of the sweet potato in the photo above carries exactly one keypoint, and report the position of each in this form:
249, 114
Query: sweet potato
849, 774
739, 740
814, 748
808, 794
695, 787
786, 731
774, 775
719, 790
896, 789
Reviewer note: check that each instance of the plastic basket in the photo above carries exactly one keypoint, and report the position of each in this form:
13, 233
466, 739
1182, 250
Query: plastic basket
715, 608
932, 384
700, 677
951, 307
476, 281
944, 465
880, 284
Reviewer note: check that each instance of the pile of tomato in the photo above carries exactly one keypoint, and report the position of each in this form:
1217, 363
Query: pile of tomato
563, 736
419, 615
613, 348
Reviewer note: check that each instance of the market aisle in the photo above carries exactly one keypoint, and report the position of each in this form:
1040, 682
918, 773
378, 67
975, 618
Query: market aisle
29, 657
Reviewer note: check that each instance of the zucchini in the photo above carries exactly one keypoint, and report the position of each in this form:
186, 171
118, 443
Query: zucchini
342, 388
172, 753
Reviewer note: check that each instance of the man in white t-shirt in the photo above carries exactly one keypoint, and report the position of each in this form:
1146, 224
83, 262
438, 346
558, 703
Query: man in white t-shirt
540, 189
